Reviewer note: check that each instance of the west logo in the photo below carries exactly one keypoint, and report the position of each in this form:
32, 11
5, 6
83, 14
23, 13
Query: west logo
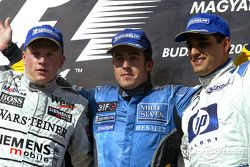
16, 101
62, 103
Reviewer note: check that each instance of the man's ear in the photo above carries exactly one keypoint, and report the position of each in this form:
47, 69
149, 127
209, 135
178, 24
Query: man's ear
23, 56
227, 44
150, 65
62, 60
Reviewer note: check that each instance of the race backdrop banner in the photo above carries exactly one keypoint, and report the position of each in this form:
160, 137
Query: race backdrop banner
88, 26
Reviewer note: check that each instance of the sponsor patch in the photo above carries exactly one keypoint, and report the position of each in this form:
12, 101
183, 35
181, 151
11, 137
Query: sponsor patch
198, 21
12, 100
151, 128
59, 114
106, 106
182, 91
104, 118
10, 88
127, 35
218, 87
62, 103
44, 30
152, 112
105, 127
204, 121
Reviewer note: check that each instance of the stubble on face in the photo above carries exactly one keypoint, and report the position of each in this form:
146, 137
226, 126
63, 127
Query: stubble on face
129, 66
206, 54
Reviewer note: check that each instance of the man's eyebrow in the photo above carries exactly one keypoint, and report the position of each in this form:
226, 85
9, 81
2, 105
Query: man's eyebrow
200, 38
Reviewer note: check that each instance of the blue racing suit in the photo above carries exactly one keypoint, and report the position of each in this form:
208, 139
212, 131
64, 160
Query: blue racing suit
128, 127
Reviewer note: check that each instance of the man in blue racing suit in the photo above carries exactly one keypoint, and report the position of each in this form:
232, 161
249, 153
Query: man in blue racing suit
133, 120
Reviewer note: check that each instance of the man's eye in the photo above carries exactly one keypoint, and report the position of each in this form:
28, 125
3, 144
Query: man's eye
203, 45
189, 47
118, 59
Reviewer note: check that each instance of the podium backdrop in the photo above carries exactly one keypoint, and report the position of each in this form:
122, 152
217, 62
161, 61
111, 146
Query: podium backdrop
88, 26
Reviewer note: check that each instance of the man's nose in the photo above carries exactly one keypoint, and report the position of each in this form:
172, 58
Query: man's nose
126, 64
42, 59
194, 51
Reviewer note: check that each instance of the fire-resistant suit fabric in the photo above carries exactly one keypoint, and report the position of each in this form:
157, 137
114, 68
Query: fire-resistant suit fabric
128, 130
39, 123
136, 131
216, 124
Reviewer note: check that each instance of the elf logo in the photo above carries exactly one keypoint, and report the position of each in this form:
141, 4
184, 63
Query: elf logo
106, 106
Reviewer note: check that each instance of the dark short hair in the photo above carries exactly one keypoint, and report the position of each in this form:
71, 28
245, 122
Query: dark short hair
219, 37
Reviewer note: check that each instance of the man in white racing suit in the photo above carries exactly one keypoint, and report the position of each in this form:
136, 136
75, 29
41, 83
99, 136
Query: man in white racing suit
39, 120
216, 124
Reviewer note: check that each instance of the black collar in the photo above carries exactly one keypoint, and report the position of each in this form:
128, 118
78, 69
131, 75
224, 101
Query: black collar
139, 91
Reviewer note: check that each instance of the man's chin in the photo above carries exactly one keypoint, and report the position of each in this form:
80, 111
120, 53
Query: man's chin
127, 86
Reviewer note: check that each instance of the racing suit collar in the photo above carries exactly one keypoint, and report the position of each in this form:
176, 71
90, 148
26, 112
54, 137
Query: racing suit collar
227, 66
140, 90
50, 87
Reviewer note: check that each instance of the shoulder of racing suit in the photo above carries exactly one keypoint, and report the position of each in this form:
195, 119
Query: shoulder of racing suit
242, 68
14, 55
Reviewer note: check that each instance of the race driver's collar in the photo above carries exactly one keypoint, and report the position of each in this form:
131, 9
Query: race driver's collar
220, 71
48, 88
140, 90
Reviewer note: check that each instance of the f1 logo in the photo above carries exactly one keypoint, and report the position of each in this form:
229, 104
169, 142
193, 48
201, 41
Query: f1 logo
203, 121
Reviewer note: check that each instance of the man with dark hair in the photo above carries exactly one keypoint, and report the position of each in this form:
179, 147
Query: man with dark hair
41, 120
216, 123
131, 121
134, 120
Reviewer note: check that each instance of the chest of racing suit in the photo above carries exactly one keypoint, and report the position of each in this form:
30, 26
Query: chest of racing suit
216, 124
127, 132
38, 124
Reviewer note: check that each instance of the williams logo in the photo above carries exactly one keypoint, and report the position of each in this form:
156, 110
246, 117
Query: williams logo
204, 121
59, 114
16, 101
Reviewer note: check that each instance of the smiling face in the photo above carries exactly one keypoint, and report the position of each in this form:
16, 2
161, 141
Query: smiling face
206, 53
130, 66
42, 59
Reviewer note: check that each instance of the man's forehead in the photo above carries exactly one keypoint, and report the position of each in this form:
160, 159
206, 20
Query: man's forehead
43, 42
125, 49
199, 37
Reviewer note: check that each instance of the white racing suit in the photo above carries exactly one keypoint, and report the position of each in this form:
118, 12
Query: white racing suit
38, 124
216, 124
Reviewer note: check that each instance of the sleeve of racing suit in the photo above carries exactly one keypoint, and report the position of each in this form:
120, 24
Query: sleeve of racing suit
79, 147
182, 100
89, 94
14, 55
244, 72
184, 151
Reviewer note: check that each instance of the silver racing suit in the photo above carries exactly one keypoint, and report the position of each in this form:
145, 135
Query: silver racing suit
38, 124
